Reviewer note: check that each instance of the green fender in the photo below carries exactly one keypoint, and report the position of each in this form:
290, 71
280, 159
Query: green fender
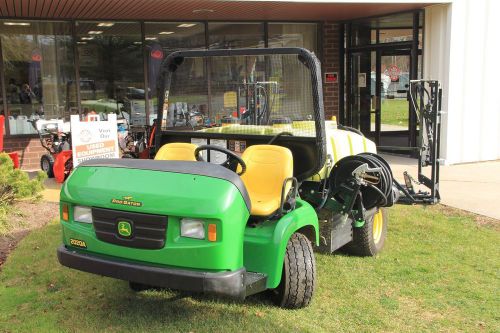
265, 244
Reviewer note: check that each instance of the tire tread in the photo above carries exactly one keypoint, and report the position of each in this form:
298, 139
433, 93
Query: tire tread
298, 279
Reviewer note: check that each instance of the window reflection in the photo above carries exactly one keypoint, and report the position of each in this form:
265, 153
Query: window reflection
163, 38
293, 35
248, 95
235, 35
38, 65
111, 70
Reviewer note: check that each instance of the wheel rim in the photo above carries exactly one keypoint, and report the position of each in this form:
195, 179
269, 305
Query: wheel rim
378, 224
45, 165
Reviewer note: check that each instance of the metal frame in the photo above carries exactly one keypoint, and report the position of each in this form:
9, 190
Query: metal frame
429, 113
76, 63
341, 74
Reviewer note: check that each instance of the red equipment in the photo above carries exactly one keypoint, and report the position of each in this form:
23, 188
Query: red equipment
58, 161
63, 165
13, 156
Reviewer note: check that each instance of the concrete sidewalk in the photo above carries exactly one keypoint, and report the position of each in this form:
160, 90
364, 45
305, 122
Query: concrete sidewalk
52, 189
474, 187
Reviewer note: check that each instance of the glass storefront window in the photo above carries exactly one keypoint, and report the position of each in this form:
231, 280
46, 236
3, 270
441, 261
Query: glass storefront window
286, 75
238, 70
235, 35
111, 69
293, 35
163, 38
390, 29
38, 67
395, 35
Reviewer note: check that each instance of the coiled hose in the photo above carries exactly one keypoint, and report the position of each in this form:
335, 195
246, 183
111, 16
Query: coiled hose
378, 190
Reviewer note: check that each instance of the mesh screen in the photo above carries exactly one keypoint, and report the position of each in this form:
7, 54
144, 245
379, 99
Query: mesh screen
259, 95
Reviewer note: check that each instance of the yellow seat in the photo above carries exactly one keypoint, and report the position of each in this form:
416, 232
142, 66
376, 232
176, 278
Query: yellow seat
267, 168
177, 151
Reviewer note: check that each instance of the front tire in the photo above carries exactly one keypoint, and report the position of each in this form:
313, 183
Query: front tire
47, 165
369, 240
298, 276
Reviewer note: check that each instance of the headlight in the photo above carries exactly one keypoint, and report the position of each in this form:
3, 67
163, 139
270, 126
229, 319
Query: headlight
82, 214
192, 228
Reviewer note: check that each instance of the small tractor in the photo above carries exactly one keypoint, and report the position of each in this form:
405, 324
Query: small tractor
232, 208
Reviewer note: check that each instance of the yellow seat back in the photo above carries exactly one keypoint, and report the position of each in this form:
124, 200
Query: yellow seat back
267, 168
177, 151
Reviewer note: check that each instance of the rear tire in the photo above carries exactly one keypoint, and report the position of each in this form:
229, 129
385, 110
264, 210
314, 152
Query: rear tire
47, 165
298, 276
369, 240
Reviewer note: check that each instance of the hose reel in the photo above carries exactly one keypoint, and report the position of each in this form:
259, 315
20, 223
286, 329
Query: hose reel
370, 174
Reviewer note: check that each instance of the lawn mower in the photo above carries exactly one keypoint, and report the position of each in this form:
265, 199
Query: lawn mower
242, 224
137, 141
55, 137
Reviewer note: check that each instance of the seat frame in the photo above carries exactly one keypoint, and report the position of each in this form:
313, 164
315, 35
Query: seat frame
294, 190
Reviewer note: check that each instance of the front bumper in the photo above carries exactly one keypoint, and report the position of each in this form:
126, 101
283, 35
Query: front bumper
229, 283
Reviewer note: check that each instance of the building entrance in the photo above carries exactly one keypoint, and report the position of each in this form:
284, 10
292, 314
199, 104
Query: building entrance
378, 74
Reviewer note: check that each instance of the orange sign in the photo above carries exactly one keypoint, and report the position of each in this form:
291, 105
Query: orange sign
93, 149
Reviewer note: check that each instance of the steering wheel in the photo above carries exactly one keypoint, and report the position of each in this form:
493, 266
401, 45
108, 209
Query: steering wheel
231, 156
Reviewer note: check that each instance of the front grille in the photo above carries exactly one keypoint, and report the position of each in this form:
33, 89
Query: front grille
148, 231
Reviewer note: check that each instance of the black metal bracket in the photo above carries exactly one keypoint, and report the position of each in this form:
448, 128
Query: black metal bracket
426, 98
288, 198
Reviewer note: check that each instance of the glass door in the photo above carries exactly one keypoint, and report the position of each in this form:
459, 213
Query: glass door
362, 90
382, 54
392, 116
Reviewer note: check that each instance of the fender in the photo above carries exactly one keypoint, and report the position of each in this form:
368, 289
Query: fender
265, 244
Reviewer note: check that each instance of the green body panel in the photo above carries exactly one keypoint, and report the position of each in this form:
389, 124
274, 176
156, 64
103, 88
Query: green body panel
265, 244
164, 193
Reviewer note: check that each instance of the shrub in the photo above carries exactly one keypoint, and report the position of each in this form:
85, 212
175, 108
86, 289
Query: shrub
16, 185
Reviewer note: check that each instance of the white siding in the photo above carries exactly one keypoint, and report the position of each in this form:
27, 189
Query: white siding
462, 51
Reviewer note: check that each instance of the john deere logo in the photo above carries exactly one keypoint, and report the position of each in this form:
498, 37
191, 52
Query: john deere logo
127, 201
124, 229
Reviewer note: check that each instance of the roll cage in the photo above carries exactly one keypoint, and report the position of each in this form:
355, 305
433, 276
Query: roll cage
309, 151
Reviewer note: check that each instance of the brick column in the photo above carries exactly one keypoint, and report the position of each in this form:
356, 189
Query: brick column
331, 63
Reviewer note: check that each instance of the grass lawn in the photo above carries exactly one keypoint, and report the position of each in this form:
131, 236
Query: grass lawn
394, 112
439, 272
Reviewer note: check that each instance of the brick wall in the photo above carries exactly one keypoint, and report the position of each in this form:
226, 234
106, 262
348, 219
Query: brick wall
331, 63
29, 149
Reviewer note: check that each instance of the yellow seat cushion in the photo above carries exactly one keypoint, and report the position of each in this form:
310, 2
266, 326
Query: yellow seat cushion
177, 151
267, 168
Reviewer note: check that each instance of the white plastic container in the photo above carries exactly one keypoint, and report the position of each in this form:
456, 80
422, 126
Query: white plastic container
12, 125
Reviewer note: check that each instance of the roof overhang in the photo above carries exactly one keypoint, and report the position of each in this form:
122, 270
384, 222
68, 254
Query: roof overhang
184, 10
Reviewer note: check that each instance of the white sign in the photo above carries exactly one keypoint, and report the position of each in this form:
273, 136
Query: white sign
200, 142
361, 80
215, 156
93, 139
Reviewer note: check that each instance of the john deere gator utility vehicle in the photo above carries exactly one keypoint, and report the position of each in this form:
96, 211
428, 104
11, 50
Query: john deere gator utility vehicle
247, 177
